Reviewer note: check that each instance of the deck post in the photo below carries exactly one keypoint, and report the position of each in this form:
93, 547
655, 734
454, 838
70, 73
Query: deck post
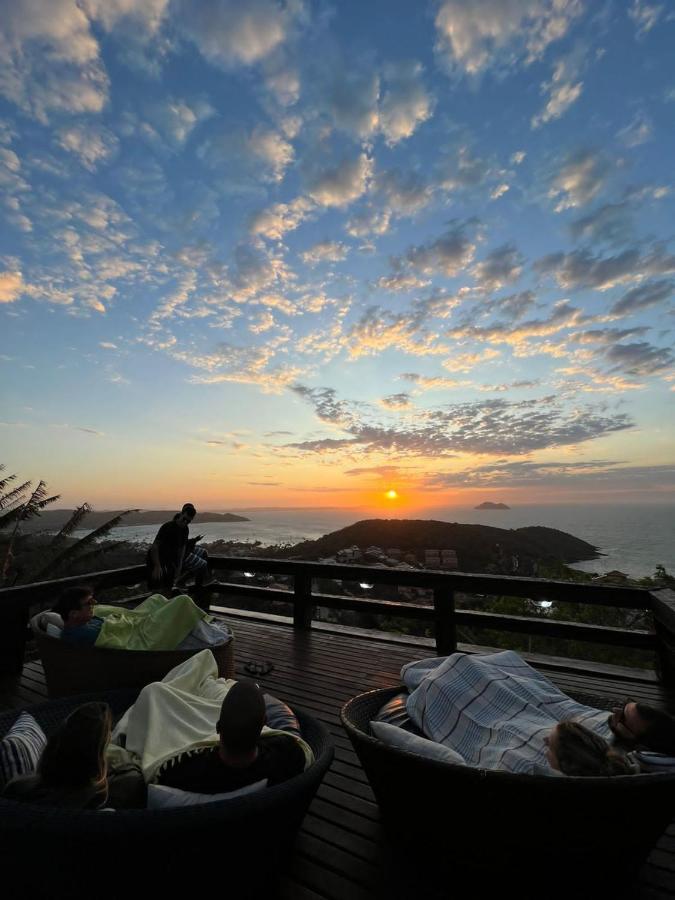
445, 627
302, 601
663, 610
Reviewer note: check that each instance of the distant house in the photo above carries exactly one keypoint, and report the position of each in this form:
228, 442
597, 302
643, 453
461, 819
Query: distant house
394, 553
449, 559
432, 558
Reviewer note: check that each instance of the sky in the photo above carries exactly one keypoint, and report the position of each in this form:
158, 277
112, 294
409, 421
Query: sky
305, 253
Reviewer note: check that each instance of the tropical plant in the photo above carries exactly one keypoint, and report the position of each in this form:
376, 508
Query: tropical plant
21, 503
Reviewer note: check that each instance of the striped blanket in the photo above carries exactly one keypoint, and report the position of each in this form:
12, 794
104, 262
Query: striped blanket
493, 710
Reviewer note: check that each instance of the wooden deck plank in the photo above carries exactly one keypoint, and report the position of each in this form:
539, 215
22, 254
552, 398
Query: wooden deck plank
341, 852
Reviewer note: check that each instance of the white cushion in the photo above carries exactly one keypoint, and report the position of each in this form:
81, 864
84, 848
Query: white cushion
42, 620
161, 796
413, 743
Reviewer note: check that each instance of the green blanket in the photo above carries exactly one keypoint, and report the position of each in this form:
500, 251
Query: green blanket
156, 624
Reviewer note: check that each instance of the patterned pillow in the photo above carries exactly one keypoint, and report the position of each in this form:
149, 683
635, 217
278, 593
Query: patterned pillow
21, 748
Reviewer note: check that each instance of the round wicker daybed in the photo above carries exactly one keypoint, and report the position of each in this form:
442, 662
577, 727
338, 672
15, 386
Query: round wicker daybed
466, 828
74, 668
231, 848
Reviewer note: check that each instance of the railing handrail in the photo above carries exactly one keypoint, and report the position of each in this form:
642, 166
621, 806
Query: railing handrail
442, 615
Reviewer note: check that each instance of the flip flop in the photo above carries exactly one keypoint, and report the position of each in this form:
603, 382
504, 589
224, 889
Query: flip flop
253, 667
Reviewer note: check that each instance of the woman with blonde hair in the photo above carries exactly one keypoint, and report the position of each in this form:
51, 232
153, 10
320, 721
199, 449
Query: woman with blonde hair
573, 749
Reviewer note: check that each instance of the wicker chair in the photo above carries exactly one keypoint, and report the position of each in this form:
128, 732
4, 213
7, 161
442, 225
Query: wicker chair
474, 827
72, 668
231, 848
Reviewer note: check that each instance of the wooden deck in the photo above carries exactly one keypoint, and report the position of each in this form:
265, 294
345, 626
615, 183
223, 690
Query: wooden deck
341, 853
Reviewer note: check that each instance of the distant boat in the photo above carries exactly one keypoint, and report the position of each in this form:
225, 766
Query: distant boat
489, 505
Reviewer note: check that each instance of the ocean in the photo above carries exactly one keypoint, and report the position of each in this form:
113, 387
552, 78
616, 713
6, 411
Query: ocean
634, 539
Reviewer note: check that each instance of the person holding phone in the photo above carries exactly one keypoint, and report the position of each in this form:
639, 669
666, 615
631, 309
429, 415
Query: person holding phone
174, 556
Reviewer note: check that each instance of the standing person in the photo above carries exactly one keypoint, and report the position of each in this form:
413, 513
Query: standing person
174, 556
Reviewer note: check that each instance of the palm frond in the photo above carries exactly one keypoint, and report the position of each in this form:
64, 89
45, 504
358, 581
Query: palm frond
13, 496
7, 479
72, 523
82, 544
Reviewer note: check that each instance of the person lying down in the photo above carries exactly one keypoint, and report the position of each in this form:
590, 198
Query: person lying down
157, 623
497, 712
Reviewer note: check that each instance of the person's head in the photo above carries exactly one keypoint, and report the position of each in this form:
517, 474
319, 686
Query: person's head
242, 717
76, 605
187, 514
575, 750
75, 754
640, 724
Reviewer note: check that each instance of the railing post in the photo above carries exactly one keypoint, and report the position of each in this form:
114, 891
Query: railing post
445, 628
302, 605
663, 610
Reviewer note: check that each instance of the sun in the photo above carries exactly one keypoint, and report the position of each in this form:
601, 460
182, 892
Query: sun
391, 495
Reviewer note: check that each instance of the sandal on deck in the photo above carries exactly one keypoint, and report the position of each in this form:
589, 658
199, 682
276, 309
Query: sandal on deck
254, 667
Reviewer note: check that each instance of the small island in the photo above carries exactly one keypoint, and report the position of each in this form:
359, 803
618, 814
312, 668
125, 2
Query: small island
489, 505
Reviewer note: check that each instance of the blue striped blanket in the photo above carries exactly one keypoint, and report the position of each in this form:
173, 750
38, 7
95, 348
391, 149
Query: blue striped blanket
494, 710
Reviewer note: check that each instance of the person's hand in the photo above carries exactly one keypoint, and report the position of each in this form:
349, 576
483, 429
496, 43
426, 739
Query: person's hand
198, 538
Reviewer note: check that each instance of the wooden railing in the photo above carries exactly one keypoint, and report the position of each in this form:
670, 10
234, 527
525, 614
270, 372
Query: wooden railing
442, 616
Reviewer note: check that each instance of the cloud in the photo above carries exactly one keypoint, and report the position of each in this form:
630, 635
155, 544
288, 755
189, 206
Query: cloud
637, 132
280, 218
341, 185
643, 297
93, 144
350, 97
270, 147
518, 157
284, 83
461, 170
562, 315
405, 104
563, 89
11, 286
473, 37
582, 269
499, 191
640, 359
176, 118
465, 362
609, 223
488, 426
432, 382
397, 401
499, 268
387, 472
447, 255
230, 34
325, 251
607, 474
402, 193
107, 345
369, 222
265, 483
579, 179
645, 15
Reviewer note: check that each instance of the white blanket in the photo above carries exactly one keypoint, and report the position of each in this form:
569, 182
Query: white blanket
495, 710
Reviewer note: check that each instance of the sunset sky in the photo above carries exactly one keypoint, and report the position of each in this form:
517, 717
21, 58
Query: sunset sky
303, 253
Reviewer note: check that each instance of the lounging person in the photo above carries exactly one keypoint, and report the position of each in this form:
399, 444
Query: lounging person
242, 756
494, 710
155, 624
72, 771
575, 750
189, 704
174, 556
638, 725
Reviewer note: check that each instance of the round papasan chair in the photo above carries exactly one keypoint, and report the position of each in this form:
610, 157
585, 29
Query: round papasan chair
235, 847
469, 829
